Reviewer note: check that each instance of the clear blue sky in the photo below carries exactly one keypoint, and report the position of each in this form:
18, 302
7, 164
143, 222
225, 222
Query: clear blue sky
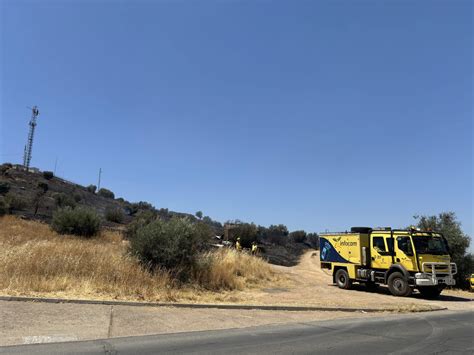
316, 114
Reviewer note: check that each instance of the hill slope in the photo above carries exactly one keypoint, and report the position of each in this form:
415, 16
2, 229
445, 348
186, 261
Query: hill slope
26, 193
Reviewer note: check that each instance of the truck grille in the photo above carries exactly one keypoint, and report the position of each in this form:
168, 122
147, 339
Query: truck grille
439, 268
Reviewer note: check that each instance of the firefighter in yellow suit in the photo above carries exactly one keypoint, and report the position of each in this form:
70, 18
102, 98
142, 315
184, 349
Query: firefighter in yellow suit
254, 248
238, 246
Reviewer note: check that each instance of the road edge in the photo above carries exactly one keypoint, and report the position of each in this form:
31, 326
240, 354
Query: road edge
219, 306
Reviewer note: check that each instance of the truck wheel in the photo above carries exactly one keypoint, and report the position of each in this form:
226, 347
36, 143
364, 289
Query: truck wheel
342, 279
432, 292
398, 285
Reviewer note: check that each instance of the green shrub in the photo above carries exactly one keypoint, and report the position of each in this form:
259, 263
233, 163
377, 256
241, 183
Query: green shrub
83, 222
16, 202
135, 207
114, 214
105, 193
4, 187
64, 200
91, 188
164, 213
142, 218
77, 197
4, 208
247, 232
173, 245
48, 175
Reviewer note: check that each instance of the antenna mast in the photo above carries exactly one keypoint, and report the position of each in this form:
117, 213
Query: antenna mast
31, 134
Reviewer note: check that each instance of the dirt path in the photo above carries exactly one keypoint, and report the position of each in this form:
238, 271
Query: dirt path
309, 285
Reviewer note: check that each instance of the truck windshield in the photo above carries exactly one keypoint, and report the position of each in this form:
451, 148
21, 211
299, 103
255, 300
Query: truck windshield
430, 245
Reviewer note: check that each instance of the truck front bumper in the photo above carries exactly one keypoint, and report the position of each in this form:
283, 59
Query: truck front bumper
433, 278
422, 279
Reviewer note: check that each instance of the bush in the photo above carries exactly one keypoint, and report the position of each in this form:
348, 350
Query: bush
216, 226
173, 245
91, 188
106, 193
48, 175
16, 202
164, 213
4, 208
247, 232
4, 167
135, 207
277, 234
4, 187
114, 214
298, 236
80, 221
63, 200
142, 219
313, 240
77, 197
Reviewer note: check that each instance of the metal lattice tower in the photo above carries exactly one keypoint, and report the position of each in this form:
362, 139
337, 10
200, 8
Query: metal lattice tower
31, 134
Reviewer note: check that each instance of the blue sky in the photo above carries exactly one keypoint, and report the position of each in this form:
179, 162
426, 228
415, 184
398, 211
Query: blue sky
316, 114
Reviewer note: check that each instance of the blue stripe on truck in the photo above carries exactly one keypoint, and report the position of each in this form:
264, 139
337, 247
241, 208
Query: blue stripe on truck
328, 253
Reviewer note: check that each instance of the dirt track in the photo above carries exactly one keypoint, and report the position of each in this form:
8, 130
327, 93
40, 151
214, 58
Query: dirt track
309, 285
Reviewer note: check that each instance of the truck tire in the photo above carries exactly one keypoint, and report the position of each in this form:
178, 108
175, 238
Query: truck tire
398, 285
342, 279
430, 292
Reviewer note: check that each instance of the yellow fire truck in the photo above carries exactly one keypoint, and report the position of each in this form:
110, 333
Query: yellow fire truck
402, 259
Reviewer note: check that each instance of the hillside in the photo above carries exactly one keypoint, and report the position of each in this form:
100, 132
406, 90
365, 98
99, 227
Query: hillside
26, 186
35, 195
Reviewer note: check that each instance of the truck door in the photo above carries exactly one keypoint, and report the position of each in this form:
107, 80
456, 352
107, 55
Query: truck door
404, 253
381, 257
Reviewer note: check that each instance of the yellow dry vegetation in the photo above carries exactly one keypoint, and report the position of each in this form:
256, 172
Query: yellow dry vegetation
232, 270
34, 260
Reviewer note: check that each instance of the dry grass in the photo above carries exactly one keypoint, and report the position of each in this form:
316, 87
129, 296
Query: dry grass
230, 270
34, 260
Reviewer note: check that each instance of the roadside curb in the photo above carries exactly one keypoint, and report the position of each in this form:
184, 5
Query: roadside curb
215, 305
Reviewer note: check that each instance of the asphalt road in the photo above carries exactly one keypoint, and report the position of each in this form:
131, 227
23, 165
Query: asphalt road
424, 333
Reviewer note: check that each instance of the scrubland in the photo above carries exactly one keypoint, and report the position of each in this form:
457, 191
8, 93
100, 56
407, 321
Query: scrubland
36, 261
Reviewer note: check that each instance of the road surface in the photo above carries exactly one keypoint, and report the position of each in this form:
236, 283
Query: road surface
426, 333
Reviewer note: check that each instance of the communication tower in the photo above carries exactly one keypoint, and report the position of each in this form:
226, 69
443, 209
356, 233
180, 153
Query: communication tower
31, 134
